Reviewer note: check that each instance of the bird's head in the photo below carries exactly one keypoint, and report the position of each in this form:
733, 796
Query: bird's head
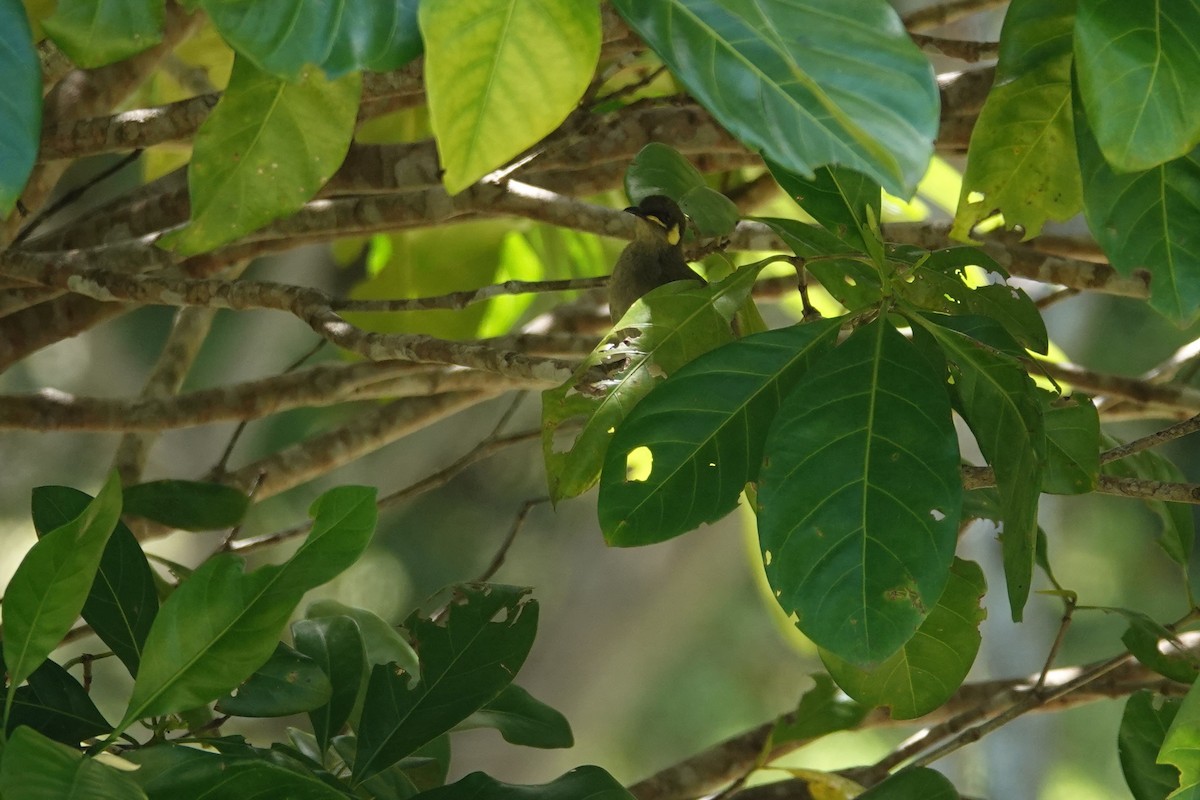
661, 220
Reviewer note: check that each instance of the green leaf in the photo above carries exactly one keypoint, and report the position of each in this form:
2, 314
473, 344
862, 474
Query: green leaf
1178, 525
1181, 746
581, 783
501, 74
660, 169
1000, 404
930, 667
263, 153
704, 429
916, 783
383, 643
943, 283
50, 585
523, 719
1072, 444
1175, 662
281, 37
222, 624
98, 32
1133, 60
1147, 220
823, 709
20, 103
836, 197
169, 772
859, 496
853, 282
187, 505
336, 645
1144, 725
55, 705
1021, 161
775, 74
122, 603
289, 683
665, 329
37, 768
468, 655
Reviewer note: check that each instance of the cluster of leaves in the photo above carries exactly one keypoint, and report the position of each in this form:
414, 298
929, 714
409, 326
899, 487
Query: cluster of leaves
208, 648
1087, 115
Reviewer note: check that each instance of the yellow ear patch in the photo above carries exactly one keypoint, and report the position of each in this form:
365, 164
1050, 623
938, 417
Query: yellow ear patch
656, 220
673, 235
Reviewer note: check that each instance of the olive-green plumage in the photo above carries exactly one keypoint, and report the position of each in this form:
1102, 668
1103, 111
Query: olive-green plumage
654, 257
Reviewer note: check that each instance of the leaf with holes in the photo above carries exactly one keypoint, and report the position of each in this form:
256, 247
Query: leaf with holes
704, 427
661, 332
1021, 161
836, 197
859, 495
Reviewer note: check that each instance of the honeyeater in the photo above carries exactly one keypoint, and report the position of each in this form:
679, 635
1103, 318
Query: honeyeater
654, 257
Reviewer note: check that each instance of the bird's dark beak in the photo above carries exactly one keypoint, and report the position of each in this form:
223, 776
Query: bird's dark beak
637, 212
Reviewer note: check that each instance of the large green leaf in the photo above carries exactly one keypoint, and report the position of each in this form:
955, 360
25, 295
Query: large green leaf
1134, 62
50, 585
1181, 746
1173, 661
1021, 160
661, 332
168, 772
263, 153
1144, 725
501, 74
1072, 444
943, 282
860, 495
282, 36
55, 705
704, 429
222, 623
37, 768
1147, 220
1000, 403
121, 605
660, 169
20, 103
806, 82
288, 683
187, 505
581, 783
98, 32
468, 655
523, 719
836, 197
337, 646
930, 667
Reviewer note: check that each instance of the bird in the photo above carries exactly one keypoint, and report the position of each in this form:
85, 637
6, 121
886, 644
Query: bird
654, 257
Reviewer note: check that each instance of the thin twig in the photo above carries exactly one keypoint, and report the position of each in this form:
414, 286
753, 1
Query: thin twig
1064, 623
502, 553
71, 197
1155, 439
